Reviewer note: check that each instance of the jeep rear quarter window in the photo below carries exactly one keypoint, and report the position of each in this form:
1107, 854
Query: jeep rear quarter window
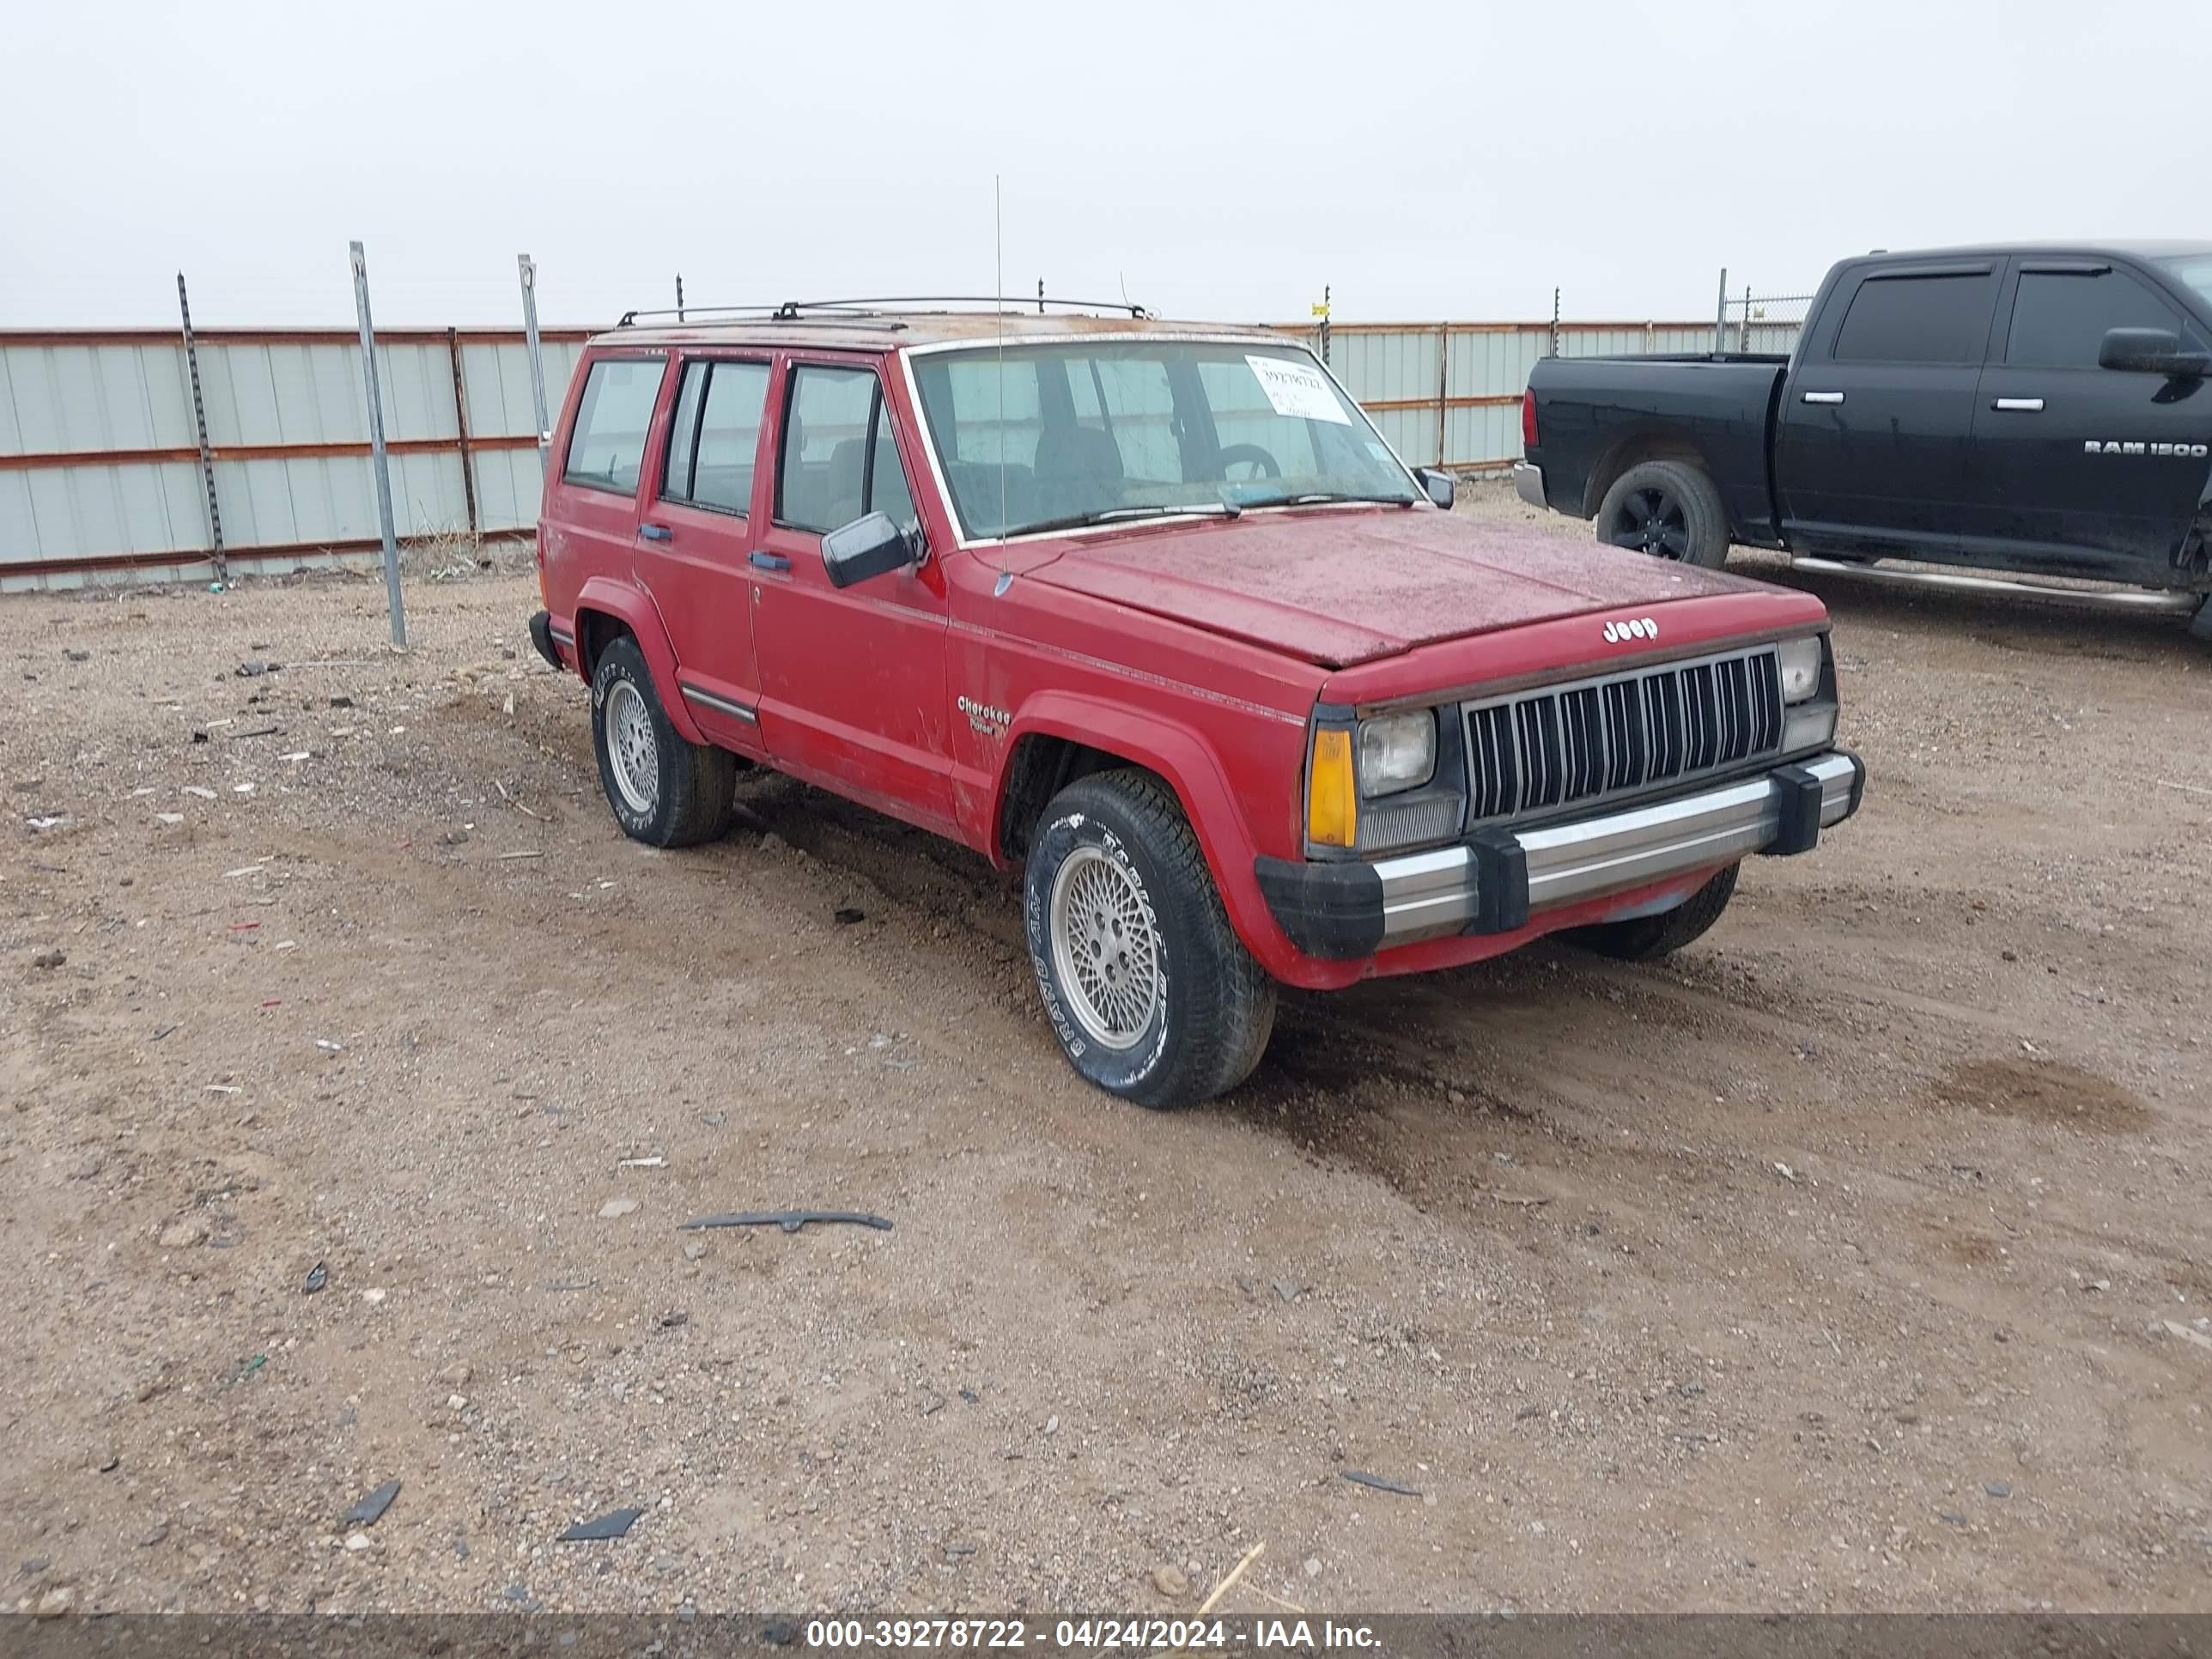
1933, 319
606, 449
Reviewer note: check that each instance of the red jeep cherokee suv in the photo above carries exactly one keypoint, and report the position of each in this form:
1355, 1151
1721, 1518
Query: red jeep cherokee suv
1152, 611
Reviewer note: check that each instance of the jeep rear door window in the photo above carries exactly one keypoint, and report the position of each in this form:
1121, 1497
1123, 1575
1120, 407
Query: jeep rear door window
729, 436
684, 435
710, 459
1046, 436
606, 448
838, 461
1935, 318
2059, 318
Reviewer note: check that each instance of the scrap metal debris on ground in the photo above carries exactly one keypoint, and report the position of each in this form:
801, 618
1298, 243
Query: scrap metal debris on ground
790, 1220
1361, 1478
371, 1509
613, 1524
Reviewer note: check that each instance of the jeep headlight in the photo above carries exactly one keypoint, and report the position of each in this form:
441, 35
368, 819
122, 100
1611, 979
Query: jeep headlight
1799, 661
1397, 751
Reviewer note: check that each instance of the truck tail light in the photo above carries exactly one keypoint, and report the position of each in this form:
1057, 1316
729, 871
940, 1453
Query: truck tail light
1528, 418
1332, 793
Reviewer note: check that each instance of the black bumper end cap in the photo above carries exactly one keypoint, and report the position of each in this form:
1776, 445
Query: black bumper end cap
1330, 911
1802, 794
1501, 882
541, 635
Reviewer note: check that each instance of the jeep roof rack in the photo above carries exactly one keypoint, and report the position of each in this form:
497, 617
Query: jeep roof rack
863, 310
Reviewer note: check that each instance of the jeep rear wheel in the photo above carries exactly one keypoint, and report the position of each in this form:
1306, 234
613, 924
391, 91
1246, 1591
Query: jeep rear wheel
664, 791
1150, 992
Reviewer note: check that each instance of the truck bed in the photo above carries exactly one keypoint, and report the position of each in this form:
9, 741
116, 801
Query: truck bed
1592, 409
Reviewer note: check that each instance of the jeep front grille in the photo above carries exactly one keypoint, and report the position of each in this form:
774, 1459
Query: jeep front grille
1562, 744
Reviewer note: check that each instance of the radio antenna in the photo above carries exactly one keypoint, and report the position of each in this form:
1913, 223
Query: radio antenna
999, 312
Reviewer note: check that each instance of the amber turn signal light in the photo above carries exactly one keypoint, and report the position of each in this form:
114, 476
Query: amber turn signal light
1333, 795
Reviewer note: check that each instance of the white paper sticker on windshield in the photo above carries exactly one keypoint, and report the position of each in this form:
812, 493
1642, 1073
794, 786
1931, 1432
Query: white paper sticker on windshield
1297, 390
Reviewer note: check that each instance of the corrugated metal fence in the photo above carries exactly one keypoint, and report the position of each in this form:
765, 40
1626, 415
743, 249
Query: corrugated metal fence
100, 464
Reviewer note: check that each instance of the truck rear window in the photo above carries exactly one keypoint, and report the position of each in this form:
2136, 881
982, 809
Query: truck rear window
1935, 318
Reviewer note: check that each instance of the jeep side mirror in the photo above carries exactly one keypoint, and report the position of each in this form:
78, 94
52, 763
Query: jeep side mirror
2152, 351
869, 546
1437, 483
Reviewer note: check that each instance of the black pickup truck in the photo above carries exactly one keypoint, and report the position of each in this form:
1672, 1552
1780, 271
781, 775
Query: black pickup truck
2041, 409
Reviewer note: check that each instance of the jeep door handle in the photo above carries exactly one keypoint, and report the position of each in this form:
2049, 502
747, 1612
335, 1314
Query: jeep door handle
768, 561
2021, 405
1823, 397
655, 533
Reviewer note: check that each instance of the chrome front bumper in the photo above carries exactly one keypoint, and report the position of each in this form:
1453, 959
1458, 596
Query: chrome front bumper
1428, 894
1528, 483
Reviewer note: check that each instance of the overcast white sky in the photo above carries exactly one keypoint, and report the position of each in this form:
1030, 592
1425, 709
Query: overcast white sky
1423, 160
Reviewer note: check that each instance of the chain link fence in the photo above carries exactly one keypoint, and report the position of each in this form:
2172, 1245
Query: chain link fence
1748, 321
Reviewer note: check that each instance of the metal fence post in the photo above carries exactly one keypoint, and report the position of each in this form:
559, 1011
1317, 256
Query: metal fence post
1720, 317
537, 366
461, 428
1555, 322
1443, 387
380, 463
220, 560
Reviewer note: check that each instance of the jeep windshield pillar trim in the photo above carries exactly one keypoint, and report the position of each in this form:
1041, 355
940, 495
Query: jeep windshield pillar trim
1151, 612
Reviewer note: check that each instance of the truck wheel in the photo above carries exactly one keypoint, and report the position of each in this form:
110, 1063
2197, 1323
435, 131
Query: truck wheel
1151, 992
1670, 509
1647, 938
665, 792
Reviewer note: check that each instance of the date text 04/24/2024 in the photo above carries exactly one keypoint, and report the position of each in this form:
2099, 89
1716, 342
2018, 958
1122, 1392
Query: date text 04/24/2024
1109, 1635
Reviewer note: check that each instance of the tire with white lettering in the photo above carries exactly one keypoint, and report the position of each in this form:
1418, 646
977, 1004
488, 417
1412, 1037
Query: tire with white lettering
664, 791
1150, 992
1669, 509
1647, 938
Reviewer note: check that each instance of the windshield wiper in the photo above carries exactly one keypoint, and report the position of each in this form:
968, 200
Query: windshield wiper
1116, 514
1316, 497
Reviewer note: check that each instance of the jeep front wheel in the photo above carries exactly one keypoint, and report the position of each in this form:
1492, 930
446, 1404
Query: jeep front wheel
1150, 992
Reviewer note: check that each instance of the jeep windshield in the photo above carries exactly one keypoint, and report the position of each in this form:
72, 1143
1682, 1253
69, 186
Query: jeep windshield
1047, 437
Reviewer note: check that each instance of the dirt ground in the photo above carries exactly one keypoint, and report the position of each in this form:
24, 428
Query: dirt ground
1858, 1258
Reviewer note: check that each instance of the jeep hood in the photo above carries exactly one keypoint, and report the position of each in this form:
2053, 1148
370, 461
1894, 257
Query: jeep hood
1338, 588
